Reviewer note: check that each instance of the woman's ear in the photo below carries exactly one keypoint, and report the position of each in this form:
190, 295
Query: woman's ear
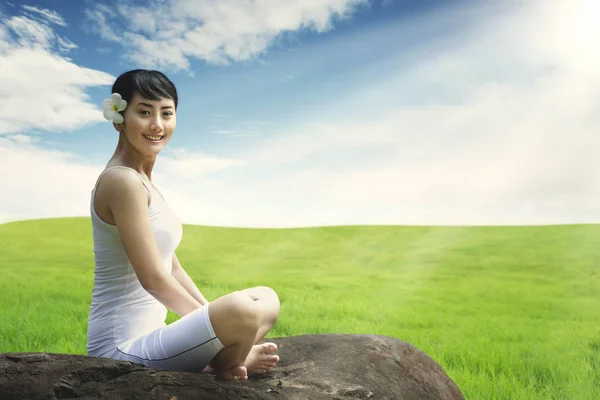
118, 127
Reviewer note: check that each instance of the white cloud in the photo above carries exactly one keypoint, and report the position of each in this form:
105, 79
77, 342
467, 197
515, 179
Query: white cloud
30, 33
187, 167
49, 16
232, 132
141, 19
98, 21
47, 184
169, 36
20, 139
65, 45
44, 89
58, 184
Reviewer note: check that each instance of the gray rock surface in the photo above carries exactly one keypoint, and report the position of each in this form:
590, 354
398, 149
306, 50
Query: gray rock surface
312, 367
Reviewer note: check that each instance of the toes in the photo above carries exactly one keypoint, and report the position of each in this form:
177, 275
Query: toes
268, 358
208, 370
239, 371
266, 365
225, 375
269, 347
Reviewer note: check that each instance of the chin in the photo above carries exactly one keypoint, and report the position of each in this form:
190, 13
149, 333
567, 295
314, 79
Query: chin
156, 150
151, 150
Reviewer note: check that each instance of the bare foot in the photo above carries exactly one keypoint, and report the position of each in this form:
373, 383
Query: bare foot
238, 373
261, 359
209, 370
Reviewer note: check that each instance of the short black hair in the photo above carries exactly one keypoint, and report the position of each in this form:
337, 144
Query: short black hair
150, 84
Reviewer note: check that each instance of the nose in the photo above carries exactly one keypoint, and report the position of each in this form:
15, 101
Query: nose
156, 124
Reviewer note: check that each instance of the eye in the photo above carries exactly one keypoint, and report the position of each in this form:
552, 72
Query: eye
168, 114
144, 112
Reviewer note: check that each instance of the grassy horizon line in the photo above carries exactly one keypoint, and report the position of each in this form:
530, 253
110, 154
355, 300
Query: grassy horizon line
540, 225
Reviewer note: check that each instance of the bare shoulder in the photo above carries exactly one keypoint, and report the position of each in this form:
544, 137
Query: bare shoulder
119, 190
121, 183
126, 201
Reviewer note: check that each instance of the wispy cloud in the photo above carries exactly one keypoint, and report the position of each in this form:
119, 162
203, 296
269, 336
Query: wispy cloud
98, 21
287, 78
187, 167
19, 139
231, 132
35, 76
65, 45
169, 36
27, 32
47, 15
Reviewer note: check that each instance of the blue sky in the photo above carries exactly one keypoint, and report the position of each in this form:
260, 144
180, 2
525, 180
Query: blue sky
314, 113
302, 72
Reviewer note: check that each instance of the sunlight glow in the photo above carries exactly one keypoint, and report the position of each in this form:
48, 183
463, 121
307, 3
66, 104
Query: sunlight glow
585, 31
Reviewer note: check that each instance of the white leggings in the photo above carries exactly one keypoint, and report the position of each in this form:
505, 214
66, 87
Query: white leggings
187, 345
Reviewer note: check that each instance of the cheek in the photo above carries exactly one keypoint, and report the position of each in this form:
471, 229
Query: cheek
131, 121
170, 125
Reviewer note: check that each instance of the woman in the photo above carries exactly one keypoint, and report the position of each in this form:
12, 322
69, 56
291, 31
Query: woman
137, 273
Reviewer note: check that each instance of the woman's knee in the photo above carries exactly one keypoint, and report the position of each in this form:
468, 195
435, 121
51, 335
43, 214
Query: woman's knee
274, 299
269, 303
263, 293
268, 293
234, 317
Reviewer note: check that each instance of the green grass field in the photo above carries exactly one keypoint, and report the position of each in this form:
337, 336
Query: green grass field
509, 312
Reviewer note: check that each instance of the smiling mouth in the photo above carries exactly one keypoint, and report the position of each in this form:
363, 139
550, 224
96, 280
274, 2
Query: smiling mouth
154, 138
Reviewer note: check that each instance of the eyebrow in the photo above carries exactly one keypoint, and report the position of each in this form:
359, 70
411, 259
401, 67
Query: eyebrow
151, 106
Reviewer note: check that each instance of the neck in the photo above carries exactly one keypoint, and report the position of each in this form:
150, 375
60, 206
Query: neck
128, 156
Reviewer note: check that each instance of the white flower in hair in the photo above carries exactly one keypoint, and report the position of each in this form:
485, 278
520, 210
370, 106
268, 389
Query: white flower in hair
112, 107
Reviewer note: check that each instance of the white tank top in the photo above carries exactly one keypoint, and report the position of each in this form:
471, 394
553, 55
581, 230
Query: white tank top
121, 309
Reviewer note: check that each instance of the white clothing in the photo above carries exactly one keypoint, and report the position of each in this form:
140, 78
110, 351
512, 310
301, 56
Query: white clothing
125, 321
185, 345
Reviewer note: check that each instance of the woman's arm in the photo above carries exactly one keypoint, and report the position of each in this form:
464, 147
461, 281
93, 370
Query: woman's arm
128, 202
184, 279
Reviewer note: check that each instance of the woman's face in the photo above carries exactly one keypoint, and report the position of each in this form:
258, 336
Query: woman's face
149, 124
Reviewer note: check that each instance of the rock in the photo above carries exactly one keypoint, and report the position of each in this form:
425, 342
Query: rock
312, 367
